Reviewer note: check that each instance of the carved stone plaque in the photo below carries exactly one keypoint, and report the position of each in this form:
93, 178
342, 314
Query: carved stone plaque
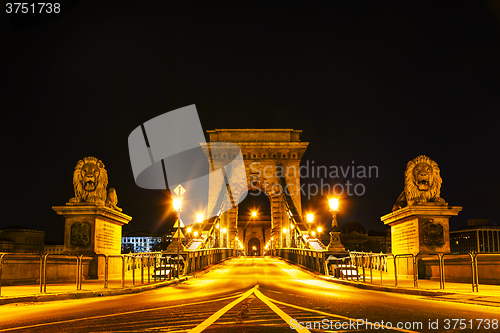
433, 234
80, 234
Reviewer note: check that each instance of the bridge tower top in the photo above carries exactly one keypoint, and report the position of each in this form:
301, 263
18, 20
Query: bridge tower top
254, 135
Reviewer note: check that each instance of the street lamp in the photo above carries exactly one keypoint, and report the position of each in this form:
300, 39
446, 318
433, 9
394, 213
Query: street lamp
334, 209
224, 231
254, 214
335, 243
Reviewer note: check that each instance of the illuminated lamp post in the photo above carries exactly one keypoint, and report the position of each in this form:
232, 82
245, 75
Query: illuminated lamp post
335, 244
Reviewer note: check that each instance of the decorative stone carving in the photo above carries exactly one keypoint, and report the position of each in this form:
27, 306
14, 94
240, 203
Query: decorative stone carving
433, 234
90, 180
422, 184
80, 234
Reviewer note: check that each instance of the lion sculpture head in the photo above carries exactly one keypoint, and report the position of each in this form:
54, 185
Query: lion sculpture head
422, 184
90, 181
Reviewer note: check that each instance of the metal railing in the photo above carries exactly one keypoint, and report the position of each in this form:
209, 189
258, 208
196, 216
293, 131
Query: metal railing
129, 263
199, 259
365, 260
311, 259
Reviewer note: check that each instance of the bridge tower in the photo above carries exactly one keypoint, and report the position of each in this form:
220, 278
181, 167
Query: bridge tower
272, 160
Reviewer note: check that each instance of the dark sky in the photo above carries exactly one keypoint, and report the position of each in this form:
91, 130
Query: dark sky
374, 83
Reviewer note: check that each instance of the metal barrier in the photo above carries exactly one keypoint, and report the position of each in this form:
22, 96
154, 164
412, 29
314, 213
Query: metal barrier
149, 259
2, 255
199, 259
359, 260
45, 257
311, 259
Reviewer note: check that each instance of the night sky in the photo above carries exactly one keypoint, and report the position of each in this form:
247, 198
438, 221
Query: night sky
374, 83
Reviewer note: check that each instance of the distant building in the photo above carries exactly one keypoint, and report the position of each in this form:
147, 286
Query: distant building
477, 237
354, 237
141, 241
19, 239
53, 247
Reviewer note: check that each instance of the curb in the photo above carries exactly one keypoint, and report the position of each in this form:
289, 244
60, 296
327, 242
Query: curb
88, 294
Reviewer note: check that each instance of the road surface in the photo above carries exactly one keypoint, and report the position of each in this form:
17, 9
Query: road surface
251, 294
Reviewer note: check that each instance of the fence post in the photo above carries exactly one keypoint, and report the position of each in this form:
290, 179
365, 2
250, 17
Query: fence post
149, 269
370, 258
476, 275
133, 270
441, 270
363, 263
142, 269
45, 273
1, 263
415, 271
381, 267
395, 270
105, 271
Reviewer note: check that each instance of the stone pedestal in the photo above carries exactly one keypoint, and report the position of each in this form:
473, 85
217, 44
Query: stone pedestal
335, 245
93, 230
422, 229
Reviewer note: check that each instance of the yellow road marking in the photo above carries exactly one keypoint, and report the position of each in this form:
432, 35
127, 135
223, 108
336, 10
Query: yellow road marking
278, 311
335, 315
254, 290
210, 320
114, 314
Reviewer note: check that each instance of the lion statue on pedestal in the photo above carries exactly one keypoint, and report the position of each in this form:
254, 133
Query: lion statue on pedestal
422, 184
90, 181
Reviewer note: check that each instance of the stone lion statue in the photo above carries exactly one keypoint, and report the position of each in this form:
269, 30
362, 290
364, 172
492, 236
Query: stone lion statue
90, 180
422, 184
112, 199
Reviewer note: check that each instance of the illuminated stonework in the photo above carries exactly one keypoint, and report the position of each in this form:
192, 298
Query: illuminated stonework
267, 154
422, 184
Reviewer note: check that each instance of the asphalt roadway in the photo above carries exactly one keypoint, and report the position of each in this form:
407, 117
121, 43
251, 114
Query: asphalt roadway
251, 294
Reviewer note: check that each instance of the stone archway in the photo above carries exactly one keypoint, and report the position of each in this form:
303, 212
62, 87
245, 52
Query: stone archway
254, 247
272, 160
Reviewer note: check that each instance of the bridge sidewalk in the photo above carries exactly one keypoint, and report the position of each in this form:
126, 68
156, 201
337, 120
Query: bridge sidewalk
90, 288
455, 292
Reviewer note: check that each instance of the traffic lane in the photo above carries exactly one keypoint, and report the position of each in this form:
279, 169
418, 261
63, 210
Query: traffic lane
299, 289
232, 278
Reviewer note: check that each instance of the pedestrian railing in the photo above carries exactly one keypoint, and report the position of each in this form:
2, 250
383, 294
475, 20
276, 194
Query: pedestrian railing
199, 259
16, 265
311, 259
370, 262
